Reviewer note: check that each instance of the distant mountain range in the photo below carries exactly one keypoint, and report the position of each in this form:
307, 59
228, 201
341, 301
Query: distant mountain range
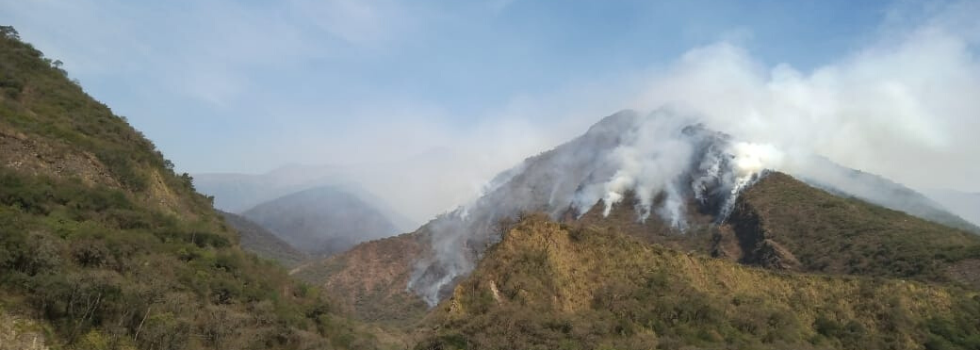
237, 193
322, 221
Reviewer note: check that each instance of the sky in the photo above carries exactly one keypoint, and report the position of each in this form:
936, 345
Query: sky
248, 86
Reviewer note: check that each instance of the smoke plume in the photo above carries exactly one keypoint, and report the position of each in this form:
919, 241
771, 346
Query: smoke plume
904, 107
664, 158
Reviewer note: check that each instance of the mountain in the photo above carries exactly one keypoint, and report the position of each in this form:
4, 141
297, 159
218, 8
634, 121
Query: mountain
679, 172
322, 221
265, 244
966, 205
664, 183
103, 246
237, 193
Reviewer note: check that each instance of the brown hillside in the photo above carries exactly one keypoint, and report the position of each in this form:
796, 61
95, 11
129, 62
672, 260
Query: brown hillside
370, 280
779, 223
551, 286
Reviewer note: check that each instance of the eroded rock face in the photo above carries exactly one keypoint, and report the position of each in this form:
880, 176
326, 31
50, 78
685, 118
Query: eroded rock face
746, 240
38, 157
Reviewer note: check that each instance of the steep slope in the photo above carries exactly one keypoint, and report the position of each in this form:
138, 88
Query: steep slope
322, 221
783, 223
779, 223
825, 233
548, 286
102, 246
265, 244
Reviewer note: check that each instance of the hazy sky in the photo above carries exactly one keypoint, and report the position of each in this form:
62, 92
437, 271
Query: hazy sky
224, 85
247, 86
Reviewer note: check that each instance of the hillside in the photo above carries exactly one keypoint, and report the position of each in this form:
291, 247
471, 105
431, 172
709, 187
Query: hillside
829, 234
322, 221
261, 242
548, 285
778, 223
103, 246
370, 280
785, 224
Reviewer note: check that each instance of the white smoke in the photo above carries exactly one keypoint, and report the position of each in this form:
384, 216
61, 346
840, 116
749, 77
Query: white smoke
905, 107
662, 159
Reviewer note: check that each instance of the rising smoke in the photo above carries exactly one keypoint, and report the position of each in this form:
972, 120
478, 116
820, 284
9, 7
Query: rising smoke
664, 158
905, 107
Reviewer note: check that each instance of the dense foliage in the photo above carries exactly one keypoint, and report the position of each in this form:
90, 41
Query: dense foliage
133, 258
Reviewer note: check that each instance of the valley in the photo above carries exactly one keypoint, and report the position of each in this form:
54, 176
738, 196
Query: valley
649, 230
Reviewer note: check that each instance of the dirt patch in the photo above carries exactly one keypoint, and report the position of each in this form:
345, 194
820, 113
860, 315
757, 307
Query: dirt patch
35, 156
18, 333
966, 272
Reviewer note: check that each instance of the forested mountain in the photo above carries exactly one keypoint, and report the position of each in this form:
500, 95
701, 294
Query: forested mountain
103, 246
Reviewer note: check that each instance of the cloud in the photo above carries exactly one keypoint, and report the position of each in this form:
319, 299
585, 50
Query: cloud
905, 107
206, 50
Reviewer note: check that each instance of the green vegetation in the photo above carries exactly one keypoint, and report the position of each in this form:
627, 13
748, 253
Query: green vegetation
831, 234
110, 249
103, 246
39, 99
554, 286
265, 244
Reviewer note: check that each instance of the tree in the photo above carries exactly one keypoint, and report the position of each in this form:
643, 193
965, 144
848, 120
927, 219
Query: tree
9, 32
